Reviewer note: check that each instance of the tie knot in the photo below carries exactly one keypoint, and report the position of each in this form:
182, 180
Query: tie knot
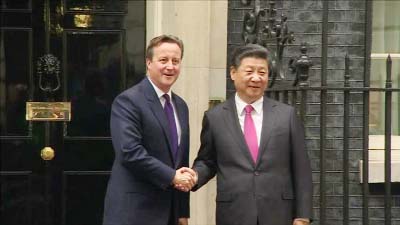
166, 96
248, 109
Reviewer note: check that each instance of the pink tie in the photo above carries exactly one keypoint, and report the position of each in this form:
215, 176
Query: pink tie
250, 133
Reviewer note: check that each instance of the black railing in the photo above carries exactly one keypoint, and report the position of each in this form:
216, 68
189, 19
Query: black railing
264, 26
388, 141
290, 96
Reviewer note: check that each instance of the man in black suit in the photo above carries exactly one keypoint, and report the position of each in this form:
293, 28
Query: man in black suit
150, 135
255, 146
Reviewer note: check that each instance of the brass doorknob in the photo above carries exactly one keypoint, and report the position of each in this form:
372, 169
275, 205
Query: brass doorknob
47, 153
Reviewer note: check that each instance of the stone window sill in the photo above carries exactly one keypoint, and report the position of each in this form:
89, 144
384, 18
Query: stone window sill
376, 165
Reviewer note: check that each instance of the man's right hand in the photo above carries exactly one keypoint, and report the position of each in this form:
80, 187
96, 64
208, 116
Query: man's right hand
185, 178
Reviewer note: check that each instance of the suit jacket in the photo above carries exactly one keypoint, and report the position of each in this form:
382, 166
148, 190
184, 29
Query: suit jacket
139, 191
274, 190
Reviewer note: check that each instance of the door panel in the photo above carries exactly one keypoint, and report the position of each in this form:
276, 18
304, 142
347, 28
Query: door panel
100, 46
16, 80
16, 155
19, 4
16, 13
17, 201
85, 207
95, 68
89, 155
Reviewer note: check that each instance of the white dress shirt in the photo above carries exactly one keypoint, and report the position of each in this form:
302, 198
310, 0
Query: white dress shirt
162, 100
256, 114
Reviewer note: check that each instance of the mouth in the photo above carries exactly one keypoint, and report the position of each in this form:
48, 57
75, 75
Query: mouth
169, 75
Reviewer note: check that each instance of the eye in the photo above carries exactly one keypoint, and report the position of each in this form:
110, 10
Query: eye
163, 60
176, 61
248, 72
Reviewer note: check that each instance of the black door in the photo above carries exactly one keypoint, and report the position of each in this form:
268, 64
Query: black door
99, 50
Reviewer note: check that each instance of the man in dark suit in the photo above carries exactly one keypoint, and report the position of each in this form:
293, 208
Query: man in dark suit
256, 147
150, 135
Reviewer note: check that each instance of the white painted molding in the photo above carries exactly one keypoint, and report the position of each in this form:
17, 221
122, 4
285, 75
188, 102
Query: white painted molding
377, 171
385, 55
376, 165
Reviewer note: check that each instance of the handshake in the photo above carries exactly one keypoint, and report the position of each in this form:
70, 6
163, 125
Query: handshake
185, 178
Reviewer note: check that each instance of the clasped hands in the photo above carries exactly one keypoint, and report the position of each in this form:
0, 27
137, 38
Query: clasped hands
185, 178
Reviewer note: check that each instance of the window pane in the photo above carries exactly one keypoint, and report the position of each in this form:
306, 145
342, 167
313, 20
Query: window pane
377, 99
386, 27
385, 39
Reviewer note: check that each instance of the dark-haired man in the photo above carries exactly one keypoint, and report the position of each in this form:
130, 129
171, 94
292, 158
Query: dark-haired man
150, 135
255, 146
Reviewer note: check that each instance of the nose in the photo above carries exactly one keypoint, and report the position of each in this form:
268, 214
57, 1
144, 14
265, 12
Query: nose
255, 77
169, 65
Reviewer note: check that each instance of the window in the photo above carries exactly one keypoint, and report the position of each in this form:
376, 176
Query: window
385, 41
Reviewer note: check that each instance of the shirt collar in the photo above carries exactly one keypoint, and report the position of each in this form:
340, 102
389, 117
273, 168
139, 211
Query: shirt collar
158, 90
257, 105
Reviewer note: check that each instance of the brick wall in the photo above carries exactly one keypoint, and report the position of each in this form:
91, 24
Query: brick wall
346, 35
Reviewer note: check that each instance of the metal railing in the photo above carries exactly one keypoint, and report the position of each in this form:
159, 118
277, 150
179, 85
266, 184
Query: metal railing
291, 96
262, 26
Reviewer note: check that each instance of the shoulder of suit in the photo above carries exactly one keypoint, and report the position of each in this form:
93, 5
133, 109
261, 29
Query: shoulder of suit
177, 97
132, 93
277, 103
179, 102
218, 108
134, 90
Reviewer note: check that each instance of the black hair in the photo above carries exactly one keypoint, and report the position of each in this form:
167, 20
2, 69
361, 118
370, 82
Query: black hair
249, 50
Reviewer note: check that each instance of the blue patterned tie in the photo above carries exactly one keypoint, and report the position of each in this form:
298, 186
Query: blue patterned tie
169, 112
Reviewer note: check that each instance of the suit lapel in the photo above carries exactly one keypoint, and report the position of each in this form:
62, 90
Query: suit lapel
267, 126
158, 111
232, 122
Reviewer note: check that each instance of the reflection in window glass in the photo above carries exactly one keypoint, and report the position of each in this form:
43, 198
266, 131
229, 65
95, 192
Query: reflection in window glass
385, 39
15, 4
14, 76
94, 76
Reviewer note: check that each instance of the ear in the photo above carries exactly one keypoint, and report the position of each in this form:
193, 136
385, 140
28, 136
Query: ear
233, 72
148, 61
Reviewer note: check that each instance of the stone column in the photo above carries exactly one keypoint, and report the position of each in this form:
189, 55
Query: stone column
202, 25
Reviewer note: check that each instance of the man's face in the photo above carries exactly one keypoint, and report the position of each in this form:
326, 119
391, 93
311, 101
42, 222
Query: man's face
250, 78
164, 68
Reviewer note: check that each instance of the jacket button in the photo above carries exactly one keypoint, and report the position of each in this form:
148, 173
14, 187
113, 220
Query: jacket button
256, 173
